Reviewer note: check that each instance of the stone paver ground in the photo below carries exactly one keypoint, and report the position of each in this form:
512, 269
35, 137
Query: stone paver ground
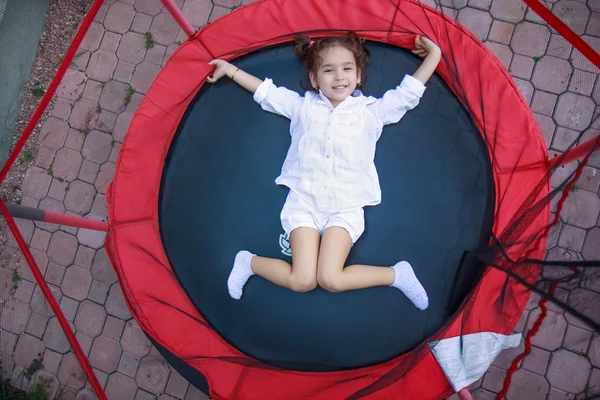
80, 143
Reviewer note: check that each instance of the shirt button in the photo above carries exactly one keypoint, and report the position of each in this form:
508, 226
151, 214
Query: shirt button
328, 137
327, 156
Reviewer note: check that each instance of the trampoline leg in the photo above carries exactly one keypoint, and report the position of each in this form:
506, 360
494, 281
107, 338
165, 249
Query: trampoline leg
36, 214
179, 17
577, 152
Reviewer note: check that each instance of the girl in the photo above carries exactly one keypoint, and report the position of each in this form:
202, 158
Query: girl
329, 167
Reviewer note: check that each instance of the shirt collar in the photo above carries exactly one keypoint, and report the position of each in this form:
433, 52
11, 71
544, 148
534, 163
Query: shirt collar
354, 98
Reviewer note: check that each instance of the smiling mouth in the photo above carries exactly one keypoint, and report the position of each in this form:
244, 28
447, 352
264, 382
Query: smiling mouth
340, 87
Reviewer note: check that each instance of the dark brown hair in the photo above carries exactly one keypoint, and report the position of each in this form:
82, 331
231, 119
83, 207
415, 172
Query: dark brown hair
310, 53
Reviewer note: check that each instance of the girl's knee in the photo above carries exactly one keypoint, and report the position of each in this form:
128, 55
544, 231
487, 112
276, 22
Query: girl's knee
304, 282
330, 281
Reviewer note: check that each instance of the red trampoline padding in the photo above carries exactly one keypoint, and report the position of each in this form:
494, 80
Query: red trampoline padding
153, 293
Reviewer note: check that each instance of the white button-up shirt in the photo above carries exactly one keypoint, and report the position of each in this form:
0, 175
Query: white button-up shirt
330, 162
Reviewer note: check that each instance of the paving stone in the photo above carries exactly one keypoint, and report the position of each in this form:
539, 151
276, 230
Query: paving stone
40, 240
164, 28
506, 357
57, 189
53, 133
594, 351
113, 328
24, 291
85, 394
508, 10
557, 394
143, 395
572, 238
548, 127
141, 22
532, 16
129, 364
76, 283
170, 50
477, 21
132, 48
124, 72
593, 25
44, 157
15, 314
122, 125
62, 248
119, 17
84, 114
80, 197
92, 238
36, 183
97, 147
110, 42
105, 121
54, 337
581, 209
81, 61
105, 354
120, 387
149, 7
112, 96
458, 4
527, 385
70, 372
585, 301
102, 269
577, 339
564, 138
38, 303
153, 374
559, 47
591, 247
552, 74
72, 85
492, 379
525, 88
501, 51
574, 111
155, 54
177, 385
481, 4
8, 341
66, 164
143, 77
84, 257
55, 273
552, 331
61, 108
218, 12
99, 207
568, 371
90, 318
580, 61
89, 171
93, 37
582, 82
195, 394
68, 307
28, 349
75, 139
101, 66
530, 39
115, 303
40, 259
52, 361
522, 67
105, 176
36, 325
589, 180
573, 13
98, 291
593, 385
197, 12
134, 341
92, 90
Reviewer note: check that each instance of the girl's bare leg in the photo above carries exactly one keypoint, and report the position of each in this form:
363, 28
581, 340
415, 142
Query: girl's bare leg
301, 278
331, 274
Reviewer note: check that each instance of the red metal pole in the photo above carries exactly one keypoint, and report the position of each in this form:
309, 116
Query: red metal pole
79, 222
179, 17
577, 152
39, 278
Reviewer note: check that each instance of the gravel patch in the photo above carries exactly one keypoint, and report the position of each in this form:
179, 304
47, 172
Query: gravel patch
62, 21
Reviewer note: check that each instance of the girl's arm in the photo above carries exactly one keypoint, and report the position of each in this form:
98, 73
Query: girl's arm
242, 78
432, 54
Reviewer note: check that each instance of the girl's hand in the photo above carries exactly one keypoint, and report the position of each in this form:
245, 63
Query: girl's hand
424, 47
222, 68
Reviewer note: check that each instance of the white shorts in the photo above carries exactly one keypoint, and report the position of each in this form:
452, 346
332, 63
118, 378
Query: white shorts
298, 213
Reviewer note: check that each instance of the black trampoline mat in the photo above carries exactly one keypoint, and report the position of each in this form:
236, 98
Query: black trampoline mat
218, 196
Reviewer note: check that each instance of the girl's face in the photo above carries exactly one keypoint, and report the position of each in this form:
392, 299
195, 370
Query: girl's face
337, 75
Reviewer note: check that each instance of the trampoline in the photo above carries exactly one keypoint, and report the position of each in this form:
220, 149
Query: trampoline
194, 184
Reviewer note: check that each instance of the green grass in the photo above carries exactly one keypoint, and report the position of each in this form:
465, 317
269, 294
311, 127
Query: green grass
149, 41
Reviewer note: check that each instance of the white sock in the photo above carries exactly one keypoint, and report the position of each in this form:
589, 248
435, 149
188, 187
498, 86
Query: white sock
240, 273
406, 280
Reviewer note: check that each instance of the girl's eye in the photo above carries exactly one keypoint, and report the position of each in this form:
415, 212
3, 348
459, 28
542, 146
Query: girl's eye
328, 70
348, 69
